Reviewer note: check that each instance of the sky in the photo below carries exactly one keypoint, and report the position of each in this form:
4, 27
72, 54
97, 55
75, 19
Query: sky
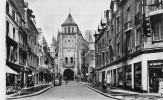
50, 14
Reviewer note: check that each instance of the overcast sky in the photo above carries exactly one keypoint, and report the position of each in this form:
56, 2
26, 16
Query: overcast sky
50, 14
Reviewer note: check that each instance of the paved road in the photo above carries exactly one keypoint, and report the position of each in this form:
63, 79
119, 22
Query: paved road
71, 91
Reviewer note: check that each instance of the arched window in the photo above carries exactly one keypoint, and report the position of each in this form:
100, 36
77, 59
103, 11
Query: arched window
68, 29
66, 59
72, 29
65, 29
71, 59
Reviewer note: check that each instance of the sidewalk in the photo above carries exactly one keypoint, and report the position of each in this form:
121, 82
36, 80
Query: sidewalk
118, 93
31, 91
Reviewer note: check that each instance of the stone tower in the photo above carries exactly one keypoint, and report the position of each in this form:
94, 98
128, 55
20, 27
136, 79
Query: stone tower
69, 49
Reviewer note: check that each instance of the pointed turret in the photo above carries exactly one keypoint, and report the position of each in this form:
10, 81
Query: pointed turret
53, 41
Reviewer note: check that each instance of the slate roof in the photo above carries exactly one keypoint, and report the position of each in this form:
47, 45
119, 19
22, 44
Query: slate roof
69, 21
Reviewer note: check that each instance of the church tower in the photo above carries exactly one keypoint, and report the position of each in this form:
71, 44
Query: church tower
69, 49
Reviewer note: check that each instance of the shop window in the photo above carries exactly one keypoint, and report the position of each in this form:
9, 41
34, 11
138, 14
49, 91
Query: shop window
155, 74
120, 76
137, 76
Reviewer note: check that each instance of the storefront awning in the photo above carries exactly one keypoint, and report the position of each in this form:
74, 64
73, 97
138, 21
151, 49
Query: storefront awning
10, 71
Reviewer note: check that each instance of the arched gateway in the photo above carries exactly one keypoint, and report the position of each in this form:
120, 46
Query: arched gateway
69, 74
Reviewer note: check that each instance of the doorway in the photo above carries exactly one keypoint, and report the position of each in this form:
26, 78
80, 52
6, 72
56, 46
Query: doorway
154, 75
69, 74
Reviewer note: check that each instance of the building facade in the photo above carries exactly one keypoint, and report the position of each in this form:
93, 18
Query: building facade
89, 56
133, 55
70, 44
21, 45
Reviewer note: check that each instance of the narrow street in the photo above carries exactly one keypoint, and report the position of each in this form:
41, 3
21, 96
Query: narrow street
71, 91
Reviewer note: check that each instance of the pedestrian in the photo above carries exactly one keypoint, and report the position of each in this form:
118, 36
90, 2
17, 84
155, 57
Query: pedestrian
60, 80
104, 85
160, 86
66, 80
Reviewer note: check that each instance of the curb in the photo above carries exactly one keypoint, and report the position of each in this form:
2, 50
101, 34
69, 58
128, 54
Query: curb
105, 94
28, 95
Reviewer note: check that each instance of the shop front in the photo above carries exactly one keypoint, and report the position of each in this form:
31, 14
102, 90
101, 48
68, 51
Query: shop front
155, 72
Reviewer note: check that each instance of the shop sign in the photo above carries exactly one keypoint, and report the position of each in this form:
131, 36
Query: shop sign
155, 63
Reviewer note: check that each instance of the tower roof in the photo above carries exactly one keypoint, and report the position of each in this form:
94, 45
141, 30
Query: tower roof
69, 21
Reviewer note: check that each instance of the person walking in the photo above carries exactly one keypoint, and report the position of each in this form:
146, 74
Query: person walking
104, 85
66, 80
60, 80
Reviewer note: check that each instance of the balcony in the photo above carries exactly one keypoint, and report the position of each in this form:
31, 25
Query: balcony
128, 26
156, 8
69, 65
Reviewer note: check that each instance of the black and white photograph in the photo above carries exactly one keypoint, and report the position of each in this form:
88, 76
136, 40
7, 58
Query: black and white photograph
82, 49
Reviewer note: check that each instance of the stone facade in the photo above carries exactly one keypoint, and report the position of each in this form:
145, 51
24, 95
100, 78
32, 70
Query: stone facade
127, 48
69, 49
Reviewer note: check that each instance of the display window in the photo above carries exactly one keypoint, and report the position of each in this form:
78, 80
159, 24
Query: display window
120, 76
128, 76
137, 76
155, 71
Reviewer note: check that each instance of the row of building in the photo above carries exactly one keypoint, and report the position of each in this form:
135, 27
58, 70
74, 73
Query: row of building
29, 60
129, 45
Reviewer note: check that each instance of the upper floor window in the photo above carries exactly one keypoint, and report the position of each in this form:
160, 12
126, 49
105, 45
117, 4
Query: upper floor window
103, 42
65, 29
138, 37
7, 28
68, 29
118, 28
129, 42
128, 14
157, 27
13, 33
66, 59
13, 14
103, 58
7, 7
72, 29
118, 48
71, 59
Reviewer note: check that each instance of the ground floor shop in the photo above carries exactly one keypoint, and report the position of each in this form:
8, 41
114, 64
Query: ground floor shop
141, 73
